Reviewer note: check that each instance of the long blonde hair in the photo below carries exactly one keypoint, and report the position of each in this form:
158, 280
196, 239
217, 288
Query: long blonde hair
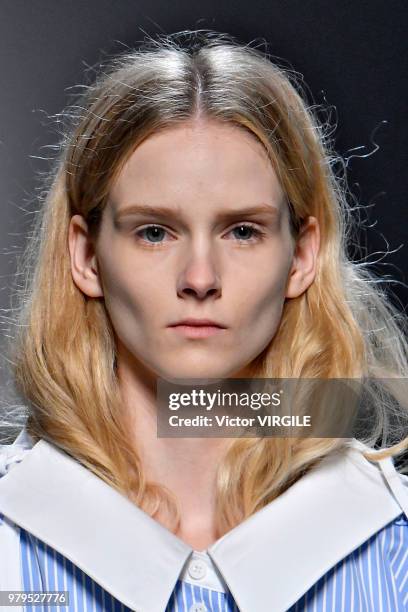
63, 352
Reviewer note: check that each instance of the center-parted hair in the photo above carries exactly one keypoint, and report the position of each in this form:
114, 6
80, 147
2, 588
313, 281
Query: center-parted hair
63, 349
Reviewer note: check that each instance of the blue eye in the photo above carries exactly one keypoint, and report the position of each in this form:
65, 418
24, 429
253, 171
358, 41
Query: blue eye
253, 230
156, 232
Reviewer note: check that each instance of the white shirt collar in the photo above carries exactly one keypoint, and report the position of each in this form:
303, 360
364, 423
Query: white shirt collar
268, 562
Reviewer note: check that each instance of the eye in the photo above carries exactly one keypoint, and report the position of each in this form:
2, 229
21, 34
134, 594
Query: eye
243, 228
154, 231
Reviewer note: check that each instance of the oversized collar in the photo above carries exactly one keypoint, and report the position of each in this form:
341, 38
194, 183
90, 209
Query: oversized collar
268, 561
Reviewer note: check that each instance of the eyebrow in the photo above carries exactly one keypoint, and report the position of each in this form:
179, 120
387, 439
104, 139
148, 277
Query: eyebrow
223, 215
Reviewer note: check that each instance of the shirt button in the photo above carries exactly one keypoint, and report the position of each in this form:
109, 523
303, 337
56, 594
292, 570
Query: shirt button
198, 607
197, 569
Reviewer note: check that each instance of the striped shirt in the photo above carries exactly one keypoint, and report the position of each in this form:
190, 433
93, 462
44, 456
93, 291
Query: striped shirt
345, 550
374, 577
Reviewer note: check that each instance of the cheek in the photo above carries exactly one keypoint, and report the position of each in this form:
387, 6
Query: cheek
261, 295
131, 295
261, 316
265, 313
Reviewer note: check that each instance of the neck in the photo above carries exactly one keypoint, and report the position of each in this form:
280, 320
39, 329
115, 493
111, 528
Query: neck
186, 466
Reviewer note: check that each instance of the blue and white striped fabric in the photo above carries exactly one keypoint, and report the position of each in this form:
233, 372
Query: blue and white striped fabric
373, 578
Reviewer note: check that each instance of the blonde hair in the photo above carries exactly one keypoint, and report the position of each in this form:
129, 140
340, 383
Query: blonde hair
63, 352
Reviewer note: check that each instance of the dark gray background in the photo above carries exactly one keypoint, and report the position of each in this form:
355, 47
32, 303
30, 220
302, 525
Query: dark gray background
352, 54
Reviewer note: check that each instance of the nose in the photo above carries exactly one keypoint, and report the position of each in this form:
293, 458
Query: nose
199, 279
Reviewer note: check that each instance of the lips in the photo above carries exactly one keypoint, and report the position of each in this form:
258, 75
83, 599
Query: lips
198, 323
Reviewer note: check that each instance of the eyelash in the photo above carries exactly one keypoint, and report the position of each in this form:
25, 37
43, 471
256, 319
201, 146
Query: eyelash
259, 234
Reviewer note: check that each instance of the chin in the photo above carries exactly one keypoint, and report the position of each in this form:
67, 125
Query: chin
199, 372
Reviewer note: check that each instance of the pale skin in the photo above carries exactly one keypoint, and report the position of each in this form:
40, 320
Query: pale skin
198, 266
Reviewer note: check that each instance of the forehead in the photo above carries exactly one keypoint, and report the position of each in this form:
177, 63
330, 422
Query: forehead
209, 161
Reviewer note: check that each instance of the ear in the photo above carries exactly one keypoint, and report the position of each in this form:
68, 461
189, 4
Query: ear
83, 258
304, 266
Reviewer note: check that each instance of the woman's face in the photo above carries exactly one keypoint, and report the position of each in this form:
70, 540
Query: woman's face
197, 261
